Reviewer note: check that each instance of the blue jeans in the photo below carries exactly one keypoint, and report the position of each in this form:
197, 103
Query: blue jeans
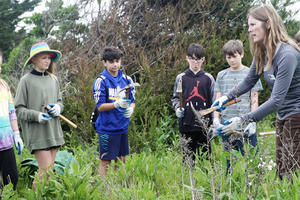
238, 146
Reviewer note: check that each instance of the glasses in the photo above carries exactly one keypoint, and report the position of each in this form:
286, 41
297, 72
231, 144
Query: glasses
194, 59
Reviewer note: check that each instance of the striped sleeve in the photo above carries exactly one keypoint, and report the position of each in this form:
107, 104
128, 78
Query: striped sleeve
99, 92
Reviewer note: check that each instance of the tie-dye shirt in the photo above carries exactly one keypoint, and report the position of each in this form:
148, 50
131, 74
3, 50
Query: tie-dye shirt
7, 113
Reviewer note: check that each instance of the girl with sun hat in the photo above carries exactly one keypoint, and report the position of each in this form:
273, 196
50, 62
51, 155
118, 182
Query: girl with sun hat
41, 129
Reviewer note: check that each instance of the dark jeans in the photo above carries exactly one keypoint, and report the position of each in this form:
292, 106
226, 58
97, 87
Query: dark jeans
238, 146
196, 143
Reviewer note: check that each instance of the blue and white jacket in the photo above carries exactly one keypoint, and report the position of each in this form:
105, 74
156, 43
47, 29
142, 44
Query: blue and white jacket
107, 89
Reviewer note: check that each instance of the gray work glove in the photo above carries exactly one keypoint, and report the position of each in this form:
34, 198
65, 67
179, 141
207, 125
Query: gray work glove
230, 126
18, 142
122, 103
217, 123
180, 112
250, 129
128, 112
54, 110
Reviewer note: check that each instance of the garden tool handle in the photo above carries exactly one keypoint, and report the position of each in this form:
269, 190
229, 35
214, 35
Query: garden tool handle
233, 101
68, 121
180, 100
63, 118
213, 109
127, 93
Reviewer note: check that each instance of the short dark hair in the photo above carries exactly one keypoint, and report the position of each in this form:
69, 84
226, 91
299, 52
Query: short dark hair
195, 50
111, 53
233, 46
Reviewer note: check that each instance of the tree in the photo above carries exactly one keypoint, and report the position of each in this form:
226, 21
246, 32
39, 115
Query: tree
10, 12
57, 21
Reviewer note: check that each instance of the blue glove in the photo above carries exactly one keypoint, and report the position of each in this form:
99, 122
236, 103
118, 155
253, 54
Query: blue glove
44, 117
18, 142
220, 103
55, 110
180, 112
229, 126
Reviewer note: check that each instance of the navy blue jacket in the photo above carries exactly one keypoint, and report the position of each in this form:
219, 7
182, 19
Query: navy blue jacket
107, 89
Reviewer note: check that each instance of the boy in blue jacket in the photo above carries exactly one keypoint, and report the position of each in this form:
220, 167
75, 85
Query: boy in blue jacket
114, 109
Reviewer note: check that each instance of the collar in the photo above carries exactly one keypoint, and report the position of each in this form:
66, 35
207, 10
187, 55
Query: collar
34, 72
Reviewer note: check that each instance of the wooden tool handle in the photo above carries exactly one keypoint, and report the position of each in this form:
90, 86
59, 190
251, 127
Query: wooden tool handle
127, 93
233, 101
68, 121
63, 118
180, 100
213, 109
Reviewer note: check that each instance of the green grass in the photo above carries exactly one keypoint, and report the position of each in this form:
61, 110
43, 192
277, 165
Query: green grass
161, 175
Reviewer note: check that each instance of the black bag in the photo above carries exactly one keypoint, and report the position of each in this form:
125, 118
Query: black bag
95, 113
94, 117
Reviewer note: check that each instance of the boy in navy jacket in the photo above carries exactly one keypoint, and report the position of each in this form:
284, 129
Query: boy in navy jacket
115, 109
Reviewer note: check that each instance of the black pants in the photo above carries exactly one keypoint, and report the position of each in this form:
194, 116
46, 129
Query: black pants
8, 167
196, 142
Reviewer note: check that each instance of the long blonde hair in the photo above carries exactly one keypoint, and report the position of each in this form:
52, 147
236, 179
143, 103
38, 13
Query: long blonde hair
275, 34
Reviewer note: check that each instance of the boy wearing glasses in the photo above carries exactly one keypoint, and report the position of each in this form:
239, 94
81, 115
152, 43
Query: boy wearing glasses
226, 80
193, 87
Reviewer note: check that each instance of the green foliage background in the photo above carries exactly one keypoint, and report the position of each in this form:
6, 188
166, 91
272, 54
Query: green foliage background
154, 36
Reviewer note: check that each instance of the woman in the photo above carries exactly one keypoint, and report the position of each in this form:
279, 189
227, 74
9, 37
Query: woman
276, 56
9, 134
37, 89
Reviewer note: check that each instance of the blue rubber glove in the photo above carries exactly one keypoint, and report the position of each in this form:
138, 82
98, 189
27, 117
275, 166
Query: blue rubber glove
180, 112
55, 110
229, 126
44, 117
220, 103
18, 142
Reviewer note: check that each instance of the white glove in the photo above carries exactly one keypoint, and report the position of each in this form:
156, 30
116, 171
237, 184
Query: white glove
128, 112
123, 103
250, 129
43, 117
231, 125
220, 103
180, 112
18, 142
54, 110
217, 123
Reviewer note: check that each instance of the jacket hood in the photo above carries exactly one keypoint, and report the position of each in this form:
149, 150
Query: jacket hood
190, 73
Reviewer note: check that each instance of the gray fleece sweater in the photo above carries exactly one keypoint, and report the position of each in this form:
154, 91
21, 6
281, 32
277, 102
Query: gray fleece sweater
35, 90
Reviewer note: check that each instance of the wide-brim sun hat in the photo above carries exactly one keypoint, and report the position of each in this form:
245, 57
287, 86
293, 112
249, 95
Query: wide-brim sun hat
42, 47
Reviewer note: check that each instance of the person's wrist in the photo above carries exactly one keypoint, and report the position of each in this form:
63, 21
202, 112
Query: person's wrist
16, 133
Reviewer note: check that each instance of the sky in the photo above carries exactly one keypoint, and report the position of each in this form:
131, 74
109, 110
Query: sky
92, 10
